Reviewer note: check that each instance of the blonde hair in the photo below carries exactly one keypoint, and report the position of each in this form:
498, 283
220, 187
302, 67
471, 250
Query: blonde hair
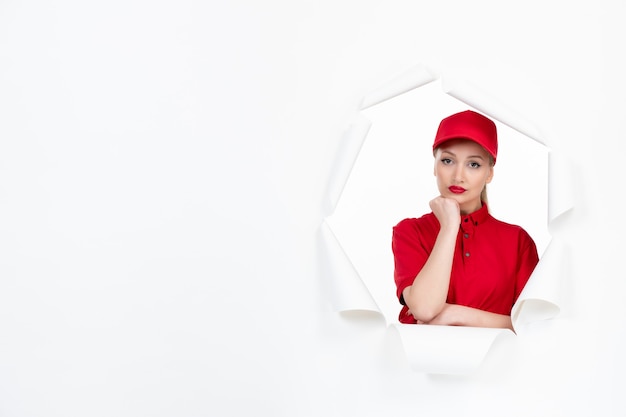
483, 193
483, 196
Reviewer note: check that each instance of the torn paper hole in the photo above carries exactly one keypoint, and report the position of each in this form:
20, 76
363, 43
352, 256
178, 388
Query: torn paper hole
384, 174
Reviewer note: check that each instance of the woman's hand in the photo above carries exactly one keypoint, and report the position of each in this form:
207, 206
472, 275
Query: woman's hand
458, 315
447, 211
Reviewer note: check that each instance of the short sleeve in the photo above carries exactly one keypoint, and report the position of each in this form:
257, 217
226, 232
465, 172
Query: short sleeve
527, 261
410, 250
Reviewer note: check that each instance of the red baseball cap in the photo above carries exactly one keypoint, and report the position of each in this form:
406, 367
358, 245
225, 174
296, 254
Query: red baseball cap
469, 125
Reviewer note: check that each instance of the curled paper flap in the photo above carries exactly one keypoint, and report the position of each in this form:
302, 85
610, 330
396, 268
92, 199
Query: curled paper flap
540, 298
347, 290
489, 105
412, 78
560, 188
348, 151
447, 349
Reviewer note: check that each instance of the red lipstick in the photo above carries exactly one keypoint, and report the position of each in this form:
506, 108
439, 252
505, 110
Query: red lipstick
456, 189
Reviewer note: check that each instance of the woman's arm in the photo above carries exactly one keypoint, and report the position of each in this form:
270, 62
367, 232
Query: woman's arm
426, 297
458, 315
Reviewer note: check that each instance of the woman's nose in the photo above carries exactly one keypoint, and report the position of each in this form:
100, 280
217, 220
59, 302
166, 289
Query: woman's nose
458, 174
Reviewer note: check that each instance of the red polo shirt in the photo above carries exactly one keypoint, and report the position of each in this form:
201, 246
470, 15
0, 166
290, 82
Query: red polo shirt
492, 260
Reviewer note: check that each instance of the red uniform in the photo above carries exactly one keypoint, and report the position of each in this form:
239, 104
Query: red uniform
492, 260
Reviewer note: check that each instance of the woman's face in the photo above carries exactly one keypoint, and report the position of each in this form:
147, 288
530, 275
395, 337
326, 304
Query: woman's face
463, 168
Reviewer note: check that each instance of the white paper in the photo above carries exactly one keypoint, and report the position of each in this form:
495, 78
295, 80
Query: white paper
561, 194
347, 153
412, 78
447, 349
347, 291
540, 298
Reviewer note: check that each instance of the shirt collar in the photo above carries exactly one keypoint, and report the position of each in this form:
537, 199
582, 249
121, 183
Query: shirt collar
477, 217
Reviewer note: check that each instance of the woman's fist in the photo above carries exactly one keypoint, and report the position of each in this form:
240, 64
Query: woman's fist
447, 211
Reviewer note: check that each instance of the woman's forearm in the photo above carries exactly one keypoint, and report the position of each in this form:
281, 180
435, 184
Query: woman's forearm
427, 295
458, 315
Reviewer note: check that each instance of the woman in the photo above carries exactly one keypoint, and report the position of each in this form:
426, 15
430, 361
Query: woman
458, 265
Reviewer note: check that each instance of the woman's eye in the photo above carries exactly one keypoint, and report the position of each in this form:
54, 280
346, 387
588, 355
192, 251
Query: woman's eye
474, 165
446, 161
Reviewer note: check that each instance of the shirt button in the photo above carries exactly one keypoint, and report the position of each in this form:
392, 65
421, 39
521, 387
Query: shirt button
467, 254
466, 235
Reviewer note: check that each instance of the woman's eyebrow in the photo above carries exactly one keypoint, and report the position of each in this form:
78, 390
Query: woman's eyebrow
470, 156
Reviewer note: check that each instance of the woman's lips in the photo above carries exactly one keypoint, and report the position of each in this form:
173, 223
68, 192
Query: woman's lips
456, 189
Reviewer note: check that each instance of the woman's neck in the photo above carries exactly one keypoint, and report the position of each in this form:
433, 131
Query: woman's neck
468, 209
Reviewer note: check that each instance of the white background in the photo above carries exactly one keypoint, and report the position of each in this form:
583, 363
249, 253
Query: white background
163, 167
